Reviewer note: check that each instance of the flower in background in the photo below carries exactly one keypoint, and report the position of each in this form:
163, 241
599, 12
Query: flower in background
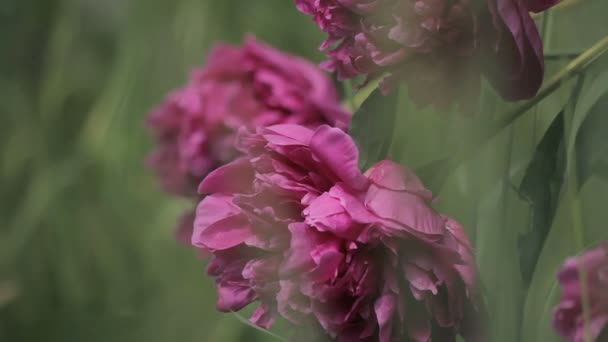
439, 48
568, 317
249, 86
294, 225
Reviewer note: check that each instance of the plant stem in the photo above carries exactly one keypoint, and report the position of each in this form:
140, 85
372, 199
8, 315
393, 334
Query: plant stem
572, 188
575, 67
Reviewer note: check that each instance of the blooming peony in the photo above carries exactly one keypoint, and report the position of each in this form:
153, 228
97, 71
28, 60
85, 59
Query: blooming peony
438, 47
568, 317
249, 86
294, 225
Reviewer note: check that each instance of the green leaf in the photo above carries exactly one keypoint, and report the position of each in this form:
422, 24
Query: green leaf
592, 142
434, 174
372, 127
541, 187
544, 291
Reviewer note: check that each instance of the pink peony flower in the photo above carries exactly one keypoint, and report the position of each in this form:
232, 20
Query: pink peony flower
249, 86
568, 317
439, 48
294, 225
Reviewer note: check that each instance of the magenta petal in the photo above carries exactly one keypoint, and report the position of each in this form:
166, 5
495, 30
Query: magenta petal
327, 214
519, 70
420, 279
298, 257
294, 134
263, 317
328, 258
384, 308
405, 208
541, 5
392, 176
218, 224
355, 208
233, 177
338, 152
233, 297
227, 233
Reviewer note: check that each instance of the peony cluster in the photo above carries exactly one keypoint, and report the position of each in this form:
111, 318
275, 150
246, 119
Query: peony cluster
294, 225
568, 317
249, 86
439, 48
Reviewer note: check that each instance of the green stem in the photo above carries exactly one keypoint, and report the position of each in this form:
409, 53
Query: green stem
575, 67
577, 218
350, 96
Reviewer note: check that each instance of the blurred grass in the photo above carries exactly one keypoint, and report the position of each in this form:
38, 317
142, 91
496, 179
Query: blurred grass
86, 237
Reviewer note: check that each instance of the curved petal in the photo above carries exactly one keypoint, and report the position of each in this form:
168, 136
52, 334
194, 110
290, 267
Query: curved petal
338, 152
288, 134
384, 307
515, 64
392, 176
541, 5
233, 297
218, 224
406, 209
235, 177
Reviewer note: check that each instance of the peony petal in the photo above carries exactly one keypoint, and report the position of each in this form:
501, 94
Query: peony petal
291, 134
226, 233
328, 215
236, 176
384, 308
231, 297
263, 316
541, 5
392, 176
327, 257
405, 208
218, 224
338, 152
516, 66
211, 209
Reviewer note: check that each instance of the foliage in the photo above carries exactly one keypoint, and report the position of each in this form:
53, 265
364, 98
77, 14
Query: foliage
86, 245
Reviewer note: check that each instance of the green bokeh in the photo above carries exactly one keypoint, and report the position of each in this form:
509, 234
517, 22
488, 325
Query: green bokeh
86, 238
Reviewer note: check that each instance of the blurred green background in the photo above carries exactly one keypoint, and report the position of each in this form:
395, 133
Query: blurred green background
86, 237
